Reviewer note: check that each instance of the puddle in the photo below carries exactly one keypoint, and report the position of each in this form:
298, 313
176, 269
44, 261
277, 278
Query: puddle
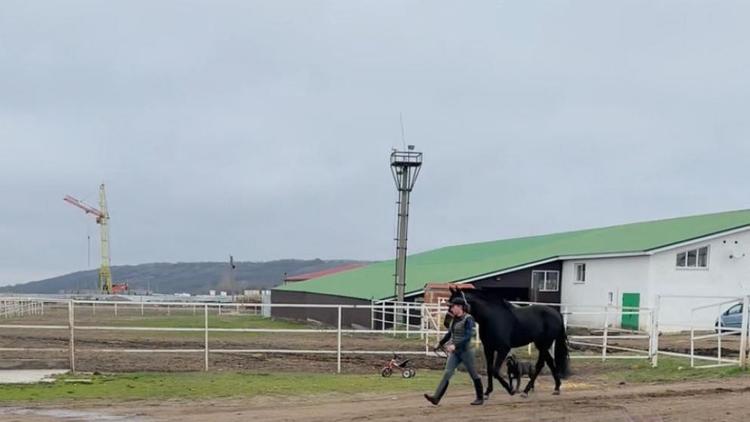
67, 414
29, 376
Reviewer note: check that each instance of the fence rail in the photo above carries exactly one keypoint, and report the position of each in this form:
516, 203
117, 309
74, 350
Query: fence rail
390, 318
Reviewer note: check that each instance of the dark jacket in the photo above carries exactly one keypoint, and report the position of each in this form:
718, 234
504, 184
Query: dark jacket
460, 332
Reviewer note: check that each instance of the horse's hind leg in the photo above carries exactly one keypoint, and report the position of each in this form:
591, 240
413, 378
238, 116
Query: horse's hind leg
537, 369
553, 369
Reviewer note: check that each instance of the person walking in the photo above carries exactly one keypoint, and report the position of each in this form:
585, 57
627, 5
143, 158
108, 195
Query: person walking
461, 350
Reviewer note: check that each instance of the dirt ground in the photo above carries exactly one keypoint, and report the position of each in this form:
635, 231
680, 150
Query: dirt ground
688, 401
592, 400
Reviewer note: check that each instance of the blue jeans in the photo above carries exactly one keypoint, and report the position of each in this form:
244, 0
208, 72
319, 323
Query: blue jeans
456, 358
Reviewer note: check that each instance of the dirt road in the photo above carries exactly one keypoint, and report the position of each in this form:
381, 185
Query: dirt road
723, 400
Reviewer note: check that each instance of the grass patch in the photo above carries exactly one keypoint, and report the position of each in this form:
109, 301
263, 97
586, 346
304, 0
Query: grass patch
670, 369
199, 385
162, 386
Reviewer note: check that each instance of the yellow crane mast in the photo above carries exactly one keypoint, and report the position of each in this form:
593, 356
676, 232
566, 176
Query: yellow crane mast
102, 218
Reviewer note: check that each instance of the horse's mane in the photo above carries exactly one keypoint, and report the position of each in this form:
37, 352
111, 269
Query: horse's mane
490, 296
487, 293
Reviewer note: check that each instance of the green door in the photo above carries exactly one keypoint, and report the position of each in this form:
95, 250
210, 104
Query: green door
630, 302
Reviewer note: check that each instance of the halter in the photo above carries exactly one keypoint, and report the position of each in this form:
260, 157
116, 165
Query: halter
467, 307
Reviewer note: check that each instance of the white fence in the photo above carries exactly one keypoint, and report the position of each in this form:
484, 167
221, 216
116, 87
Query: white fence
17, 308
389, 318
102, 308
726, 337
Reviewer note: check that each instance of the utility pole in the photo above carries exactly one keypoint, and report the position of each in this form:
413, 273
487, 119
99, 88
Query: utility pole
405, 166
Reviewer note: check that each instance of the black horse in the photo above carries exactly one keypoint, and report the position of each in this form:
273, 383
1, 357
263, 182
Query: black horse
503, 326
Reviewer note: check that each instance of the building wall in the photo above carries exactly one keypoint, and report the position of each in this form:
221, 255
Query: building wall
658, 274
518, 283
327, 316
605, 278
724, 276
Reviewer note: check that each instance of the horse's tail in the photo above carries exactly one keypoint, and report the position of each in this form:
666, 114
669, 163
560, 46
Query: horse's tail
562, 359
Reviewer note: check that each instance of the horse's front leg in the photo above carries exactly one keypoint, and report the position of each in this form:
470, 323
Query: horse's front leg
489, 358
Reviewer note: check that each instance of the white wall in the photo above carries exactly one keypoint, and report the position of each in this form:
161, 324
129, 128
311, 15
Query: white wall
604, 275
724, 277
657, 274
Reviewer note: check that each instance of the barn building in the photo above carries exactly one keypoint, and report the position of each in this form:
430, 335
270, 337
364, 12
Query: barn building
629, 265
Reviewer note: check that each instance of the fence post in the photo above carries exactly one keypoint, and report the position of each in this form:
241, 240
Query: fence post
338, 344
743, 334
425, 328
93, 309
168, 312
650, 334
141, 306
395, 317
115, 309
382, 317
205, 338
692, 342
372, 314
42, 308
718, 338
71, 327
408, 318
657, 310
606, 331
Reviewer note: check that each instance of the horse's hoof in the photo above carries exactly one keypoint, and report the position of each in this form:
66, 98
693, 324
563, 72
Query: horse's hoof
556, 393
524, 395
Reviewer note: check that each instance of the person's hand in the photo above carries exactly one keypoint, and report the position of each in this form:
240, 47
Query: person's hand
450, 348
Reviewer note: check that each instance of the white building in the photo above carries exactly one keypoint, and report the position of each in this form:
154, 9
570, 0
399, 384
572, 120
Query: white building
713, 265
625, 265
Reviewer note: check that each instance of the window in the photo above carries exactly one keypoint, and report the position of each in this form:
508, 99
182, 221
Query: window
693, 258
681, 259
545, 281
703, 257
736, 309
580, 273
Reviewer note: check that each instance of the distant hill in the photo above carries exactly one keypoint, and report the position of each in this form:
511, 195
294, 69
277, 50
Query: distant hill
182, 277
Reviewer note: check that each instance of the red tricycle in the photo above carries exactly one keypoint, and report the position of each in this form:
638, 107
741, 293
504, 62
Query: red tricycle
395, 364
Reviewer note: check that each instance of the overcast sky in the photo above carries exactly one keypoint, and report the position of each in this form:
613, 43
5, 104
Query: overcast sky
263, 128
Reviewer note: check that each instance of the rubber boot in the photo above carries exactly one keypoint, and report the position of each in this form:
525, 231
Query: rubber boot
438, 395
478, 389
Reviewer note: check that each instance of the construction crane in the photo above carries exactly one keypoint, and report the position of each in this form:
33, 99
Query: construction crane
102, 218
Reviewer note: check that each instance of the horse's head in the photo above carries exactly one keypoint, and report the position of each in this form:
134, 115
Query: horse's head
460, 297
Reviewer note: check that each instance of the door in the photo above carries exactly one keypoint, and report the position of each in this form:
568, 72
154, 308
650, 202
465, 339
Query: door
630, 302
733, 317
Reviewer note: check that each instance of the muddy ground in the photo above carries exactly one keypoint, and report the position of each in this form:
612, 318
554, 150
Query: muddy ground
687, 401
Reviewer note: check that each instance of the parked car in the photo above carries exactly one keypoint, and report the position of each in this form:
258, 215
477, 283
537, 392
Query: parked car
731, 318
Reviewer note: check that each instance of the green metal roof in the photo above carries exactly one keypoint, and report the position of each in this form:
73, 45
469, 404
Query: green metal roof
456, 263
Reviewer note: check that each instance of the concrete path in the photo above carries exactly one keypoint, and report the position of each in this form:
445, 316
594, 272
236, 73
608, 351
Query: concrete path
28, 376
